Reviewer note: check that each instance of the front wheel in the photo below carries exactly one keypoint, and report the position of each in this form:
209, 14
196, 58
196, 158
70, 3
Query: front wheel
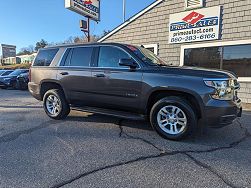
15, 85
55, 104
173, 118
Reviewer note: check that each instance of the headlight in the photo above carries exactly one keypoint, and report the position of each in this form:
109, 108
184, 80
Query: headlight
224, 89
6, 79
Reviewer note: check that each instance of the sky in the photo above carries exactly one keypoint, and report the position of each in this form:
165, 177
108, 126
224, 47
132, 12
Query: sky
24, 22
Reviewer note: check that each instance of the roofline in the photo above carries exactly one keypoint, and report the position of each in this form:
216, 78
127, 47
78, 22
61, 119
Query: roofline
81, 44
68, 45
157, 2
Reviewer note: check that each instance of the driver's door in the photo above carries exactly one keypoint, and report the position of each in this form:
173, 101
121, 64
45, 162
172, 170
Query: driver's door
116, 87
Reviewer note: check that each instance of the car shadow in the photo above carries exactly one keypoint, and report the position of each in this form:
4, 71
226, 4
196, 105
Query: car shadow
98, 118
206, 136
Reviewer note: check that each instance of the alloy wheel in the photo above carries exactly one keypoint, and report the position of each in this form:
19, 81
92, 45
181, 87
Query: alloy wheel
53, 105
172, 120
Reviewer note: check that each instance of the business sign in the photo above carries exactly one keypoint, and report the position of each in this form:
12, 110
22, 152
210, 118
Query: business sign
88, 8
8, 51
195, 25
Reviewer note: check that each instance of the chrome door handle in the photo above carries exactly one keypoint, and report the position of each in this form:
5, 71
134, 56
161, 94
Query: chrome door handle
64, 73
99, 75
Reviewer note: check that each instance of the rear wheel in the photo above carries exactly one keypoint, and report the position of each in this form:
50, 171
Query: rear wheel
55, 104
173, 118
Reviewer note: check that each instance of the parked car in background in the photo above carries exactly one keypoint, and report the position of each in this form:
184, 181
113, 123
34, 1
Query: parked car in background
11, 79
1, 72
5, 72
131, 82
22, 81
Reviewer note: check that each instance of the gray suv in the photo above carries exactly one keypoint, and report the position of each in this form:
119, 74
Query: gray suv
131, 82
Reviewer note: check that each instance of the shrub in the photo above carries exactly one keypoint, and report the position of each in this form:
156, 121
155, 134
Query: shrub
16, 66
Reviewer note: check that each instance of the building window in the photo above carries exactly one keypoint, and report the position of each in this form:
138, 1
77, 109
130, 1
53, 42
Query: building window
203, 57
238, 59
191, 4
235, 58
153, 48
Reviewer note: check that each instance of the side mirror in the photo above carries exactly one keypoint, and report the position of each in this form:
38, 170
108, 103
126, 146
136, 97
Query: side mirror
128, 63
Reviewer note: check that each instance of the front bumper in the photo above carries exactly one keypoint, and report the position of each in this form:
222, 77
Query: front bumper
221, 113
4, 84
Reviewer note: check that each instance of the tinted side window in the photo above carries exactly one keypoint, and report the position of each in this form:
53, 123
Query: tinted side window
81, 57
65, 56
45, 57
110, 56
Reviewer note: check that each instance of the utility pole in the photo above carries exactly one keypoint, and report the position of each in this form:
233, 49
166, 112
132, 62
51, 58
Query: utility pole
88, 33
85, 27
124, 10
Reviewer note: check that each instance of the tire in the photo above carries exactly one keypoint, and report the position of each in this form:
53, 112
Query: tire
15, 85
23, 86
164, 120
55, 104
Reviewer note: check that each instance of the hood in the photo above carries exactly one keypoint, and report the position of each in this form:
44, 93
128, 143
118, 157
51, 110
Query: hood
198, 72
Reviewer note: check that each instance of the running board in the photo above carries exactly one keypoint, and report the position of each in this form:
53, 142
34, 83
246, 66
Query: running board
115, 113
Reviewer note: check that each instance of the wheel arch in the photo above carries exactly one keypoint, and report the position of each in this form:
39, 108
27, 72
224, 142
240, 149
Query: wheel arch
190, 96
46, 85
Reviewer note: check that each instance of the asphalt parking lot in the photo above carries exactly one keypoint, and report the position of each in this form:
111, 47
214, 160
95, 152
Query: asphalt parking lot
88, 150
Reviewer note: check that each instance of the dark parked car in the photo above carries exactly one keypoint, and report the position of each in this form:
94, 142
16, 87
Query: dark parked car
22, 81
5, 72
11, 79
131, 82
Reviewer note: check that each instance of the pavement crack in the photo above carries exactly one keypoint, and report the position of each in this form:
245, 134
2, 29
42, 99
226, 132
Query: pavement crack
209, 168
246, 132
163, 153
104, 168
126, 135
15, 135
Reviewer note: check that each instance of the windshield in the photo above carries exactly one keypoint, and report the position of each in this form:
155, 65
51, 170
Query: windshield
147, 56
6, 73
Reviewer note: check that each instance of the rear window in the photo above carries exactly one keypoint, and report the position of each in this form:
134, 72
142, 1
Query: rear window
45, 57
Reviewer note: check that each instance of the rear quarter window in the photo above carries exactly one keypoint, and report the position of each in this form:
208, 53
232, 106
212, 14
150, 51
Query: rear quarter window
45, 57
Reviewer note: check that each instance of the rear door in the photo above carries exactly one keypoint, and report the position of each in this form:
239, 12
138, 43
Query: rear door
75, 76
114, 86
